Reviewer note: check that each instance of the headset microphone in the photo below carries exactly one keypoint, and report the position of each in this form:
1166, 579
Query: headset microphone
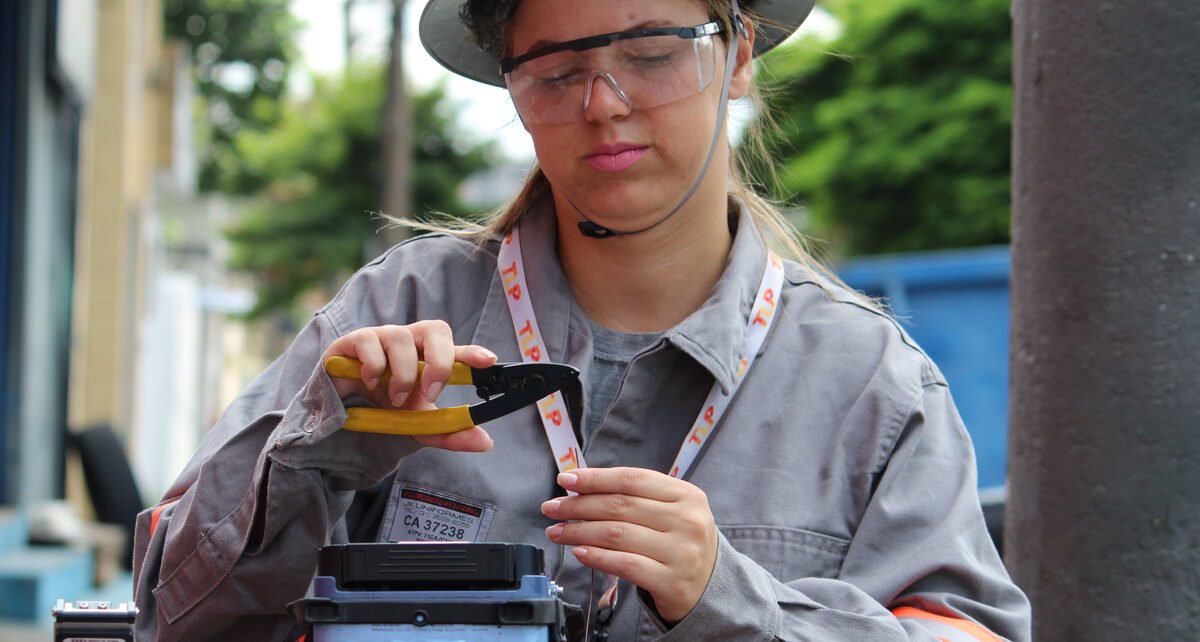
595, 231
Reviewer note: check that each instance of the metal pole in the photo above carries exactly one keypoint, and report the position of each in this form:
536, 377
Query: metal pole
349, 37
396, 193
1103, 518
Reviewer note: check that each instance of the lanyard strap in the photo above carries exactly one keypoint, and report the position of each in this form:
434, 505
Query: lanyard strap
555, 418
761, 316
553, 411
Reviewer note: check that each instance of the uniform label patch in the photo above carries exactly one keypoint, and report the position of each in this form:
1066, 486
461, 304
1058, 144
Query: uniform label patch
425, 515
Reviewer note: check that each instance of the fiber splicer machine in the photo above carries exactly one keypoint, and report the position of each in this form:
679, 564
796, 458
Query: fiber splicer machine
432, 592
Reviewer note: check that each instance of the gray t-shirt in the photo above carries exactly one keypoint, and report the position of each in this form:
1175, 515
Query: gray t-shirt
612, 351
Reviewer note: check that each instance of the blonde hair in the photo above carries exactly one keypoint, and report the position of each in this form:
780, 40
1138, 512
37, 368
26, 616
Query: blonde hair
777, 231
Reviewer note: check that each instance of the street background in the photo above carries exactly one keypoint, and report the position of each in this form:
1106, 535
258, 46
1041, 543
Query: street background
183, 182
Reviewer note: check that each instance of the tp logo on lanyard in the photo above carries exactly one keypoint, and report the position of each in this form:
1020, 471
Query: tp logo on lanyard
552, 410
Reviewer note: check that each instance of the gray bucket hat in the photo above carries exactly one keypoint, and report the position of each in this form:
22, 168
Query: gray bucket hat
450, 43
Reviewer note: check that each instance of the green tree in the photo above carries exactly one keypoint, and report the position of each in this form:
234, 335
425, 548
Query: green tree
321, 170
895, 135
241, 53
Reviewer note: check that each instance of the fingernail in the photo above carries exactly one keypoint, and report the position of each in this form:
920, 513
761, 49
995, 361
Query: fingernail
487, 353
433, 390
371, 383
567, 480
551, 506
580, 552
399, 398
554, 530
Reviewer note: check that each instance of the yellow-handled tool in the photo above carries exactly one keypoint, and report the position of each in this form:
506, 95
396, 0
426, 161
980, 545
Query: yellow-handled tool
504, 387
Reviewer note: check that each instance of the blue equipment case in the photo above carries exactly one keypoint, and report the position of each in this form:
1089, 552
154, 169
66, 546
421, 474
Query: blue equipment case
432, 592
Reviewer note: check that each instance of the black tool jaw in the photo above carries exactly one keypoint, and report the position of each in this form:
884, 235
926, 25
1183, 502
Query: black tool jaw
510, 387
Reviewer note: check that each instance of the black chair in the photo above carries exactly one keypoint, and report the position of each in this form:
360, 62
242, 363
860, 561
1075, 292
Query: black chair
109, 477
993, 516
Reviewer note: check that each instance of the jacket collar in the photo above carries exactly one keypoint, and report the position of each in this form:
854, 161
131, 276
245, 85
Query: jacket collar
715, 334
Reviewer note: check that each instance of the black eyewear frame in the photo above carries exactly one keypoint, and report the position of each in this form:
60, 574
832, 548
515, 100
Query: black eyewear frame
603, 40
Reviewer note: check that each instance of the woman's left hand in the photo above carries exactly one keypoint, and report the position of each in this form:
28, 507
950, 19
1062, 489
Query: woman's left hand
649, 528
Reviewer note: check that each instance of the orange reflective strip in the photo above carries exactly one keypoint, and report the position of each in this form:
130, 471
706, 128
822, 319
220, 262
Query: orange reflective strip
157, 512
966, 626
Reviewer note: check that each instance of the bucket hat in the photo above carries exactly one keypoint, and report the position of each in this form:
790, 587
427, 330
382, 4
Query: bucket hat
452, 44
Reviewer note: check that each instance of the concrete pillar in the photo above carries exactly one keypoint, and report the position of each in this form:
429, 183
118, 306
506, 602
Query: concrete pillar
1103, 520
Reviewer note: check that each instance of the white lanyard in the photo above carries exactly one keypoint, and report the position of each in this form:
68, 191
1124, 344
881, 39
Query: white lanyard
555, 418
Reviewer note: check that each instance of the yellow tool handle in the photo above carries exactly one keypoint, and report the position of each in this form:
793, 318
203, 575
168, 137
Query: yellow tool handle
347, 368
440, 421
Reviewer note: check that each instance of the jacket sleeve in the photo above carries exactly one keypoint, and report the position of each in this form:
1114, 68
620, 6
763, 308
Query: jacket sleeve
919, 567
237, 537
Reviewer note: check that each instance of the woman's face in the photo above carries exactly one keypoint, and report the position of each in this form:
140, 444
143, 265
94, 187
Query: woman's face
626, 167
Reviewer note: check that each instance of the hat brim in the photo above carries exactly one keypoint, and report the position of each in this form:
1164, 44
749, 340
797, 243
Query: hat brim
449, 42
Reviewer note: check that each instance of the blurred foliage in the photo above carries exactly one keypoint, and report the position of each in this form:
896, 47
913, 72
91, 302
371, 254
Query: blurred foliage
241, 52
895, 135
321, 170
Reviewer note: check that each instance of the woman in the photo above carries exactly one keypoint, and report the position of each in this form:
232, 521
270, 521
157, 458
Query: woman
825, 486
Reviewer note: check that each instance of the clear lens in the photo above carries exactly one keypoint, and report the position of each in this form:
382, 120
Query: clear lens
651, 71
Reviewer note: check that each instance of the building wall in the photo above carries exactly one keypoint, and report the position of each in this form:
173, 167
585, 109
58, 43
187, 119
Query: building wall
47, 100
114, 302
9, 69
82, 84
118, 162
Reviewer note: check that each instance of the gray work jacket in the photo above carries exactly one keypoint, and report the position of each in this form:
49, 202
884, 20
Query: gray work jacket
841, 478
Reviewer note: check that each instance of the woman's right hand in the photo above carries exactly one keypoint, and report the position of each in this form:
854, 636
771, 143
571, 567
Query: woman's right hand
396, 349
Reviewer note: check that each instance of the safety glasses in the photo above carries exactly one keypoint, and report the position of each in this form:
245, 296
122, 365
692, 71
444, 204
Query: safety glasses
644, 67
